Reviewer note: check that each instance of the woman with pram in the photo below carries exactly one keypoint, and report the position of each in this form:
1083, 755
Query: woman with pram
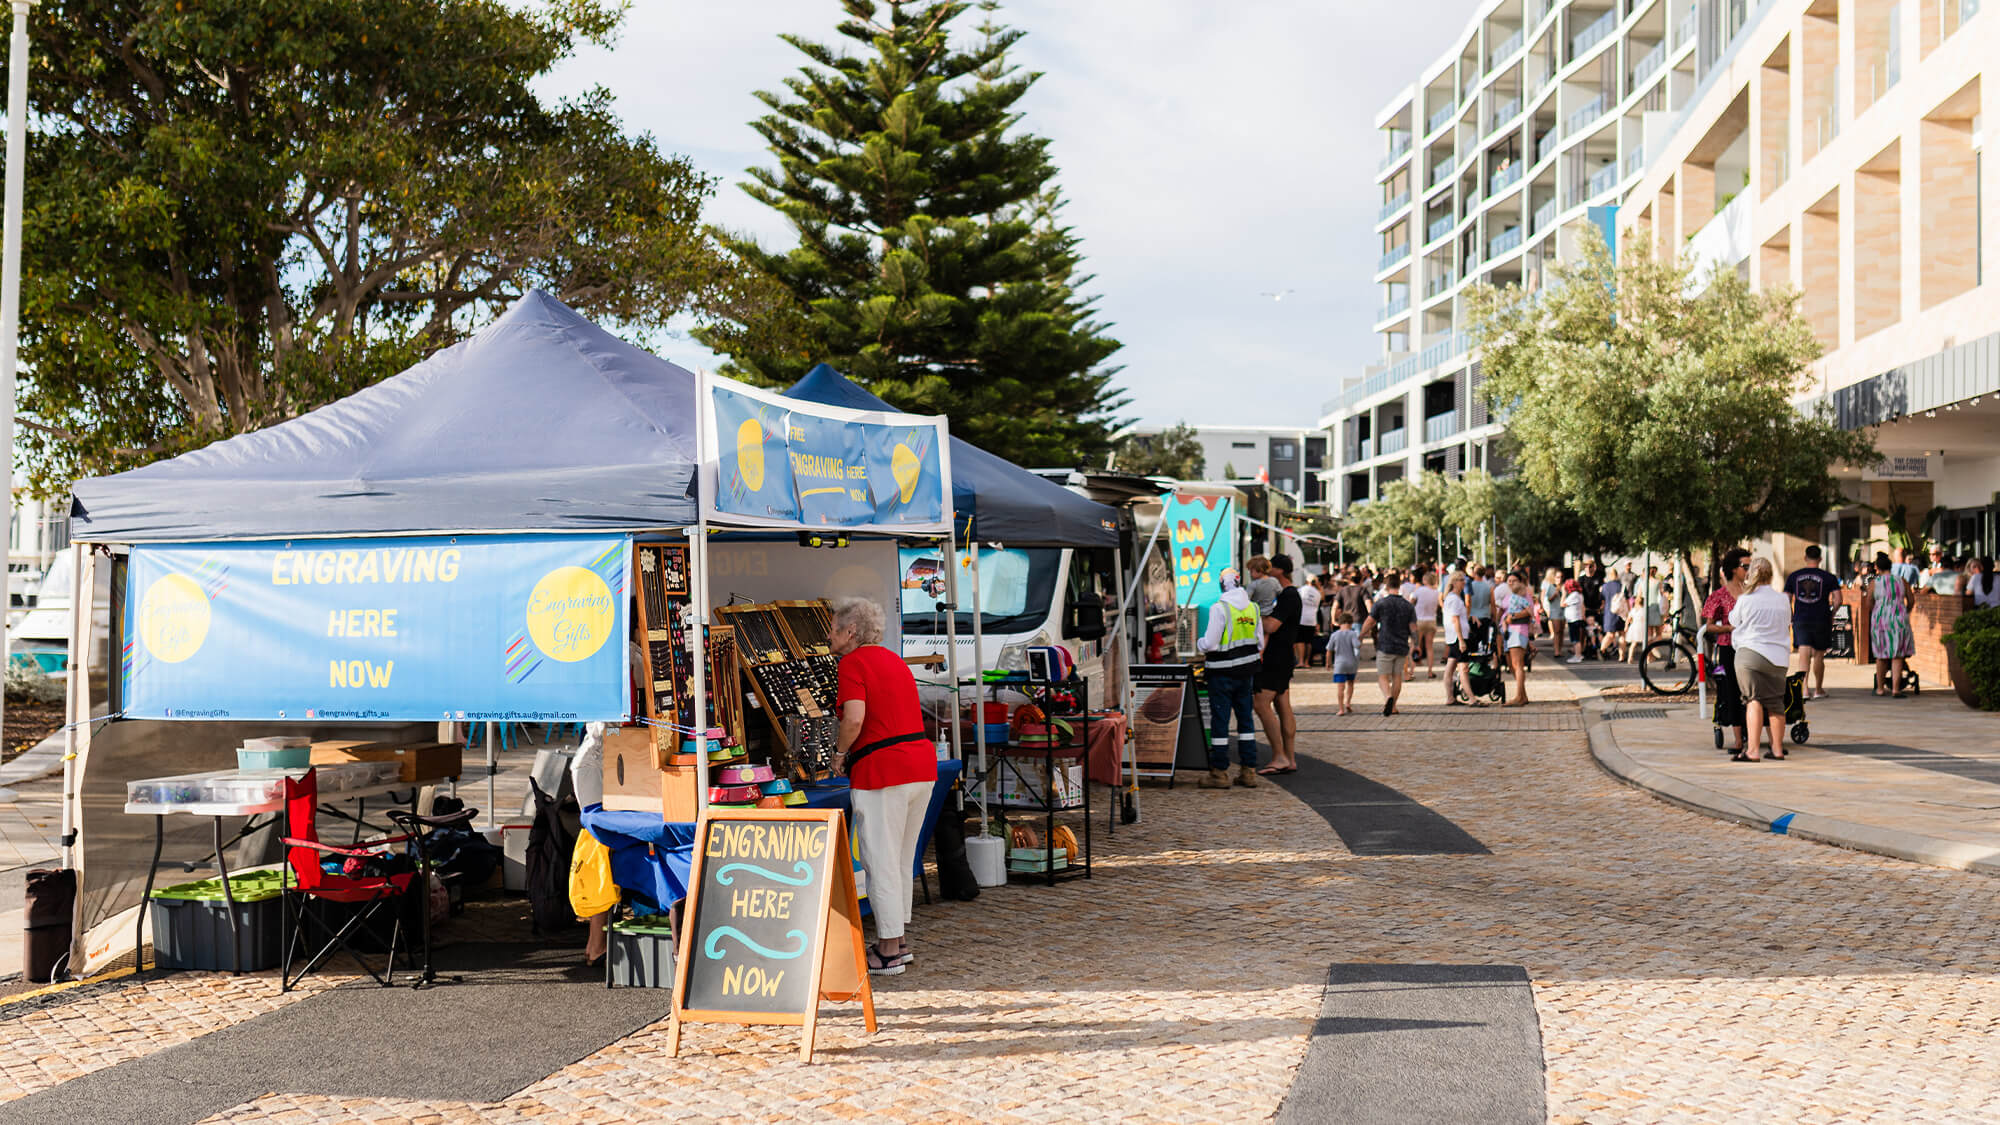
1715, 615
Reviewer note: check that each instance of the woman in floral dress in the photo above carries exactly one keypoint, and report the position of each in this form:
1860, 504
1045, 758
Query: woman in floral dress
1890, 640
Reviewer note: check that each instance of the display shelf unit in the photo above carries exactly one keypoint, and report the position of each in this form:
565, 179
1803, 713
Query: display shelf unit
667, 691
1068, 700
794, 677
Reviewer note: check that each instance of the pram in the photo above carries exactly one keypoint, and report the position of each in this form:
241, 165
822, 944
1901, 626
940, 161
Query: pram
1486, 674
1795, 707
1729, 707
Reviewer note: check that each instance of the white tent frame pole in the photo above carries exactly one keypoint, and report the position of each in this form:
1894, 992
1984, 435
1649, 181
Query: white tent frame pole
979, 687
77, 690
951, 628
1131, 591
492, 787
698, 587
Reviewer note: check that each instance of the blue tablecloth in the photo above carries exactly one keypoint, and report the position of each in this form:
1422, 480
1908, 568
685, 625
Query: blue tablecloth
655, 857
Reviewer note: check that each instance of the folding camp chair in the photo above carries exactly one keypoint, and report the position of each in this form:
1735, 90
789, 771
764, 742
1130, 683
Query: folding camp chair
367, 895
419, 829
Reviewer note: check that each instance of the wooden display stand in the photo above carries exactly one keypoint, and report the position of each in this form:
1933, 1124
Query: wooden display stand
421, 761
791, 667
636, 780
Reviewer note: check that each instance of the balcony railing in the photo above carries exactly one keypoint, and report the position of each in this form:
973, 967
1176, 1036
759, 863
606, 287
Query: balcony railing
1603, 180
1507, 47
1365, 449
1393, 441
1544, 215
1394, 307
1545, 145
1503, 179
1503, 113
1441, 227
1441, 171
1650, 65
1685, 33
1392, 257
1439, 282
1441, 118
1444, 350
1400, 149
1505, 241
1394, 205
1585, 114
1438, 427
1635, 160
1594, 34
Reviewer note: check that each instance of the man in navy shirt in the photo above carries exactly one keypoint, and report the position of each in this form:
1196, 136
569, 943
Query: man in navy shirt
1811, 590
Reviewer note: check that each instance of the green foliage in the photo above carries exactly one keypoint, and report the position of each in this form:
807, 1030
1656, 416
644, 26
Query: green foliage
931, 265
1415, 512
239, 210
32, 685
1976, 635
1903, 531
1173, 452
1659, 411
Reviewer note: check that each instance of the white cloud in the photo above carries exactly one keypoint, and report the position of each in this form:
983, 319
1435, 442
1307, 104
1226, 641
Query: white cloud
1210, 152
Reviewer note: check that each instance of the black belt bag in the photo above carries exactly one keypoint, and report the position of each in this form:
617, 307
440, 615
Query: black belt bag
860, 752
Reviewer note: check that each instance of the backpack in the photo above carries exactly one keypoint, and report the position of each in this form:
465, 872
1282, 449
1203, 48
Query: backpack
551, 844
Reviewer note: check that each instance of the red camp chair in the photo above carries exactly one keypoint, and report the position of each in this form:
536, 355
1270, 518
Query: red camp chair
366, 894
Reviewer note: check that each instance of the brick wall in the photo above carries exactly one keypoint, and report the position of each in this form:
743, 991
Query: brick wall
1934, 616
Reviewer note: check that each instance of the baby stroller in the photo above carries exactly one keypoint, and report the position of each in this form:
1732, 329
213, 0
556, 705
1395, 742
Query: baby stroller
1486, 674
1795, 707
1910, 684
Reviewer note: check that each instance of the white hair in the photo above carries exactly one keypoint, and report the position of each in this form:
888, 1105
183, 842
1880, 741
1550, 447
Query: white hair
862, 616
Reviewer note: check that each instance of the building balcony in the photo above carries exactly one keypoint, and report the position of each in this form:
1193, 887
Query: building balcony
1440, 228
1634, 161
1684, 34
1593, 35
1503, 179
1649, 65
1393, 441
1444, 351
1504, 112
1397, 153
1507, 240
1395, 307
1602, 181
1441, 118
1544, 216
1506, 48
1438, 427
1545, 145
1364, 449
1393, 206
1392, 257
1585, 114
1441, 171
1440, 282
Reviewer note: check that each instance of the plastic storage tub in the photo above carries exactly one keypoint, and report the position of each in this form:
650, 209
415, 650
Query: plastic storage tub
191, 927
640, 954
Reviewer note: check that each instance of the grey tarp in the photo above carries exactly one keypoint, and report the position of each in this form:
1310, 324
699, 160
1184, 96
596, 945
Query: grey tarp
542, 421
1005, 503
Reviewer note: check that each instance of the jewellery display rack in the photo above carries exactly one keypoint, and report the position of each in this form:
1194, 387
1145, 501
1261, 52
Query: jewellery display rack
669, 672
795, 676
1068, 700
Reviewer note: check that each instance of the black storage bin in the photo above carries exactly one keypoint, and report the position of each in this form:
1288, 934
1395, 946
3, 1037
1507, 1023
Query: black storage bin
641, 955
194, 934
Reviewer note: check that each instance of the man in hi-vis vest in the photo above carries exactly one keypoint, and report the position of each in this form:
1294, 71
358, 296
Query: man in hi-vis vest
1233, 644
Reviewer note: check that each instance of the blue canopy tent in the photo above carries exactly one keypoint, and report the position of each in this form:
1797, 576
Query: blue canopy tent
1003, 502
542, 421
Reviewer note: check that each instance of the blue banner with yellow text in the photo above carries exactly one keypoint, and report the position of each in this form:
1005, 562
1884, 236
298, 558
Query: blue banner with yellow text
1203, 545
780, 462
507, 627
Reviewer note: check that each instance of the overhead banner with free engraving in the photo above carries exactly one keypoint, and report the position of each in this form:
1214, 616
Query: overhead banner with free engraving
508, 627
773, 461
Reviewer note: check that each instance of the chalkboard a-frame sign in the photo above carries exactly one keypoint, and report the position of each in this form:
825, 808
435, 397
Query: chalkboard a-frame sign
773, 923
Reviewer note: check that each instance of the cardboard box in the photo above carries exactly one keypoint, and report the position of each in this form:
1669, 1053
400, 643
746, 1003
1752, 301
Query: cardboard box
421, 761
1025, 781
634, 781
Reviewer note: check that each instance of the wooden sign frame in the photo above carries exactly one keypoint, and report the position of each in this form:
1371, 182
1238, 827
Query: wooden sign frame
839, 970
1190, 728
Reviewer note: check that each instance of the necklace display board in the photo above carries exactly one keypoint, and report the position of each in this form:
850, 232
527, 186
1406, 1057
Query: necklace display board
669, 671
773, 923
795, 675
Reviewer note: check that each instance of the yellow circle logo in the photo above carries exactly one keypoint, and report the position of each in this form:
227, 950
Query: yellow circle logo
570, 614
173, 618
907, 470
750, 454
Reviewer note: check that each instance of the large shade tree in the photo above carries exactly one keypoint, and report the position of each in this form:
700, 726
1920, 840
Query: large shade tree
1660, 404
239, 210
932, 264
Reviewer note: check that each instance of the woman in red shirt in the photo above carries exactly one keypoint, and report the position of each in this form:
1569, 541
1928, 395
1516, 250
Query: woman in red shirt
891, 768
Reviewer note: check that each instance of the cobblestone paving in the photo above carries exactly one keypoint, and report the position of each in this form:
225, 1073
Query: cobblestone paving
1684, 969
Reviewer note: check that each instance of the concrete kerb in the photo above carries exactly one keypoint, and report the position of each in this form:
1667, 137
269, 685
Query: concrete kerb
1892, 842
41, 761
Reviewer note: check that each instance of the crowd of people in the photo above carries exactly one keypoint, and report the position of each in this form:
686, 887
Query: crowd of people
1271, 622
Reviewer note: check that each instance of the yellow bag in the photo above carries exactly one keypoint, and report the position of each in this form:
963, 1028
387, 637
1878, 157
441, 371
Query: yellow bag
591, 891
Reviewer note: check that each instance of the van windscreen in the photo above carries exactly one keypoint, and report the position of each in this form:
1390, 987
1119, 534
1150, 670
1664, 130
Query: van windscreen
1016, 589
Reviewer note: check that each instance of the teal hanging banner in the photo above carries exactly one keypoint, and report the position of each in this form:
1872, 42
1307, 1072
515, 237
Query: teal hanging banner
771, 461
506, 627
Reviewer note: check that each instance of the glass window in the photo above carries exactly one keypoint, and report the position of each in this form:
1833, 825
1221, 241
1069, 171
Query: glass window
1015, 589
1284, 450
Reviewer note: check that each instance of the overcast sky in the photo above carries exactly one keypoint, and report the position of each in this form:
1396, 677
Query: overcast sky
1211, 151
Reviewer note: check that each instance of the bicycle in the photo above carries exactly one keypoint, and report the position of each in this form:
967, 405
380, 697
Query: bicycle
1668, 664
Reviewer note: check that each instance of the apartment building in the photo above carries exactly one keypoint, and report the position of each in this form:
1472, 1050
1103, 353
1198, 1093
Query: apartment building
1289, 460
1838, 149
1536, 124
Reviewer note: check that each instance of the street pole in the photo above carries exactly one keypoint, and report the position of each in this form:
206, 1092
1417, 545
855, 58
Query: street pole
10, 290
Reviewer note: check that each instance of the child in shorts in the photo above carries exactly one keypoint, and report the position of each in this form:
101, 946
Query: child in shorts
1344, 648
